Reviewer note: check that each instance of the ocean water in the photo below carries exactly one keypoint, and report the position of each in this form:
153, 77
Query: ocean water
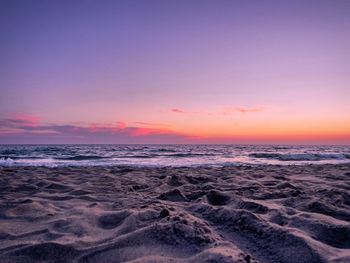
169, 155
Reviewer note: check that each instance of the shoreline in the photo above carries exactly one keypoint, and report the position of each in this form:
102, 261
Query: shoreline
157, 166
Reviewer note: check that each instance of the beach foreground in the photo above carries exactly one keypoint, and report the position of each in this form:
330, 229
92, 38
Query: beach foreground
264, 213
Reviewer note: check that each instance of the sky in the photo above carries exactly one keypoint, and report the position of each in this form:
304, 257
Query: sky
185, 71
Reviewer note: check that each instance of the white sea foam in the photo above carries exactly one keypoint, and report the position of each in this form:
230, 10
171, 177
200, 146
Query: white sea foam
6, 161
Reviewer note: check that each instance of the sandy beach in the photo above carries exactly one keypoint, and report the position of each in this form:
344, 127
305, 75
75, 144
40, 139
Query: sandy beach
174, 131
121, 214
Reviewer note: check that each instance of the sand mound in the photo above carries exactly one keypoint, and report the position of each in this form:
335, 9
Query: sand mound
218, 198
112, 220
44, 252
174, 195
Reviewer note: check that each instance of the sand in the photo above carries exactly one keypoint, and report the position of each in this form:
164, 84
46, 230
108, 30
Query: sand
123, 214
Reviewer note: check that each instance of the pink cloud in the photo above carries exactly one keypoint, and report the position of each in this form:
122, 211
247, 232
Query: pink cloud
150, 131
121, 127
25, 119
225, 111
121, 124
151, 124
27, 124
228, 111
23, 129
178, 111
107, 127
17, 123
10, 131
191, 112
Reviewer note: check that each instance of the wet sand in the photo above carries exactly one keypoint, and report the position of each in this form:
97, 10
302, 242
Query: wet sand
122, 214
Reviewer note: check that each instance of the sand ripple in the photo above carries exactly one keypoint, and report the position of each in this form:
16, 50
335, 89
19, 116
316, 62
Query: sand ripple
123, 214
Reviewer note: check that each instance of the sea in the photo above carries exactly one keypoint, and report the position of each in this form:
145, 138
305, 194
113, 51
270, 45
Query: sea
170, 155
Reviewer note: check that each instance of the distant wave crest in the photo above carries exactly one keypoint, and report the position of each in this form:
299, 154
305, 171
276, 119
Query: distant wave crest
19, 157
81, 157
300, 156
189, 154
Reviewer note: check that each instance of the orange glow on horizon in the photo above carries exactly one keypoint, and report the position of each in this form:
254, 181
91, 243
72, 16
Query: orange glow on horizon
246, 127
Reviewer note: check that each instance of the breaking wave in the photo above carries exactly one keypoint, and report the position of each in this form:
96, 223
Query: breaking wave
81, 157
301, 156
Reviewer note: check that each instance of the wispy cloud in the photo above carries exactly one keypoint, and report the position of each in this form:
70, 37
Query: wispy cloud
232, 110
224, 111
108, 127
178, 111
26, 126
28, 119
20, 120
150, 124
189, 112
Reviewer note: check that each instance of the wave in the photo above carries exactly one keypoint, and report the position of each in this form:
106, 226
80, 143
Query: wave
49, 150
163, 150
189, 154
301, 156
217, 155
6, 161
148, 156
81, 157
136, 156
19, 157
7, 151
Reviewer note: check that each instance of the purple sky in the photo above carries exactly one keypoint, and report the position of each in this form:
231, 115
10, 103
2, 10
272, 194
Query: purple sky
175, 71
